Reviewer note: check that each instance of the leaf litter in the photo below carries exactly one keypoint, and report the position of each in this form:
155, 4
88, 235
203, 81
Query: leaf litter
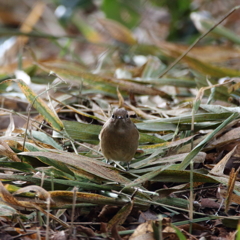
183, 182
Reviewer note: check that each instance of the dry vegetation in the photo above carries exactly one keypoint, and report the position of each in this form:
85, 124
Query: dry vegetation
61, 74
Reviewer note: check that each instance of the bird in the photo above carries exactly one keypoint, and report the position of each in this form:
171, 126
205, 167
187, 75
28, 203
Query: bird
119, 137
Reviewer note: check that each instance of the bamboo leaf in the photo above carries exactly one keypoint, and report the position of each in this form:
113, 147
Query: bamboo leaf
198, 148
43, 109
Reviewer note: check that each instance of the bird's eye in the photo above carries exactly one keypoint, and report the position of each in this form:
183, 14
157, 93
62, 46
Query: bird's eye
127, 116
113, 116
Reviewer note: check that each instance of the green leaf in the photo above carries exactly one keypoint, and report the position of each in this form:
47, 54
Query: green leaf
174, 201
124, 11
198, 148
44, 138
156, 125
6, 210
238, 231
82, 131
170, 124
89, 133
145, 177
179, 233
51, 162
172, 175
25, 167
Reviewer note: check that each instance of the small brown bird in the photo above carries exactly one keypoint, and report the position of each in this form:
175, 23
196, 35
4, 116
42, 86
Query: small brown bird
119, 137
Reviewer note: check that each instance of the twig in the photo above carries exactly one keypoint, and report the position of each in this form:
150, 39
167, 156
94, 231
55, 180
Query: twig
48, 217
72, 229
198, 40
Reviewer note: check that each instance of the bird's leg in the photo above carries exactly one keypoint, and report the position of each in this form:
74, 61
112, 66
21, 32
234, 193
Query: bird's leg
119, 165
108, 162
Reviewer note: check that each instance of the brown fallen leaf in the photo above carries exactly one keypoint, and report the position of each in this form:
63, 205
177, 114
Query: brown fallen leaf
5, 150
219, 167
146, 231
80, 162
121, 216
22, 233
41, 193
22, 205
211, 54
225, 139
60, 235
209, 203
117, 31
231, 183
86, 230
194, 63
